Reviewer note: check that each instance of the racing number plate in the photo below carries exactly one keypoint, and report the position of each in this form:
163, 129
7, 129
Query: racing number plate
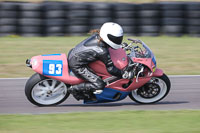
52, 67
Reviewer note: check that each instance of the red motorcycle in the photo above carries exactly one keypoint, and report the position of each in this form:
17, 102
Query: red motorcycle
49, 85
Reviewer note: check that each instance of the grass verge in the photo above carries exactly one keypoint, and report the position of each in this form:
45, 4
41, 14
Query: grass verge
104, 122
174, 55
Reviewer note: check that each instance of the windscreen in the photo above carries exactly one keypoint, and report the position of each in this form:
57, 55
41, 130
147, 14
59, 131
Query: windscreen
141, 50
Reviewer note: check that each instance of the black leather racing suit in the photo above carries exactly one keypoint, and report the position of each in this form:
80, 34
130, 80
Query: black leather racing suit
86, 52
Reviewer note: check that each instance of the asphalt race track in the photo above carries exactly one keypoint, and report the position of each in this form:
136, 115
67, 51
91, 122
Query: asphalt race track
184, 94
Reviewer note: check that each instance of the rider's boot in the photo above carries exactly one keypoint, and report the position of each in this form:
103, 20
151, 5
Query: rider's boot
79, 90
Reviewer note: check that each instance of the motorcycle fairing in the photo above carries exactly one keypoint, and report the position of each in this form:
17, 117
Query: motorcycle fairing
108, 95
146, 61
119, 84
54, 66
119, 57
51, 54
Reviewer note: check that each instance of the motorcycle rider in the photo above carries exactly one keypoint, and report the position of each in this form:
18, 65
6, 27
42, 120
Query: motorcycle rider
91, 49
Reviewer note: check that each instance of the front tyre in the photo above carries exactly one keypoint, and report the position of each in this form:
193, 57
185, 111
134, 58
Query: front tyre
43, 91
153, 91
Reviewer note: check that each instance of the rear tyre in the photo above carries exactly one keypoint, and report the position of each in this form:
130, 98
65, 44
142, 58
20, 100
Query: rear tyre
43, 91
153, 91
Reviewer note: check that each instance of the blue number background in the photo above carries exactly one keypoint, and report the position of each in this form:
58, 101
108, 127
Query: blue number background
46, 67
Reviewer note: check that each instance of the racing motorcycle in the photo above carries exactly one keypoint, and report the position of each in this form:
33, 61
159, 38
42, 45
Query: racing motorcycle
49, 85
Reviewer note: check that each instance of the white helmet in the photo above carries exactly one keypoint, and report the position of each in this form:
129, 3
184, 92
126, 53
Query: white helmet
112, 34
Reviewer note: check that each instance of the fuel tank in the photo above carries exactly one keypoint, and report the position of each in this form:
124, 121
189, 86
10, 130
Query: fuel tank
119, 59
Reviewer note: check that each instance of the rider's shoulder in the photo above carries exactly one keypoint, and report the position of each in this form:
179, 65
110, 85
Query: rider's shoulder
90, 41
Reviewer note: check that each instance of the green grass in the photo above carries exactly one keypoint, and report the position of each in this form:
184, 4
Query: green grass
104, 122
174, 55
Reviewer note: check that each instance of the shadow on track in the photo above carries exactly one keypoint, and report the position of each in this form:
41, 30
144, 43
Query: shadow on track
120, 104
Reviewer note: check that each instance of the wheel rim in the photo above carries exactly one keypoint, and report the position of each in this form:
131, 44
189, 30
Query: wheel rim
157, 92
49, 91
149, 90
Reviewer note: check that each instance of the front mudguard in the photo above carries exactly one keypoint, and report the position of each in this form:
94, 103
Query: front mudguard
158, 73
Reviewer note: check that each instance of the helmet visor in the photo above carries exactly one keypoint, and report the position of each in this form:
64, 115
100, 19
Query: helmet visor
114, 39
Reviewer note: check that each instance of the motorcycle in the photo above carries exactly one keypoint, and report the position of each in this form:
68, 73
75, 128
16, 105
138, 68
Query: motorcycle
49, 85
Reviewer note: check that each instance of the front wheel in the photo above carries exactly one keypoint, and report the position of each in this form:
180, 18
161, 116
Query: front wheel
43, 91
153, 91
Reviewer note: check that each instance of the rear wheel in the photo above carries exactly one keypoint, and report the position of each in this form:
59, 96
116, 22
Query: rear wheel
153, 91
43, 91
